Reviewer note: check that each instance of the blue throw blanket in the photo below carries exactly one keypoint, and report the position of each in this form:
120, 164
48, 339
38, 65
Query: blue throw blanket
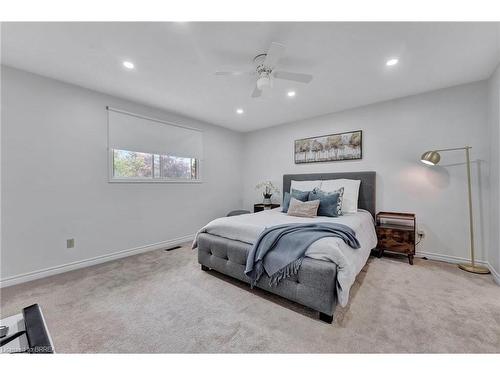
279, 250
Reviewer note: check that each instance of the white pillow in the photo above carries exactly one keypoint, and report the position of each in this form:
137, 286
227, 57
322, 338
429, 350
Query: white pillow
305, 185
351, 192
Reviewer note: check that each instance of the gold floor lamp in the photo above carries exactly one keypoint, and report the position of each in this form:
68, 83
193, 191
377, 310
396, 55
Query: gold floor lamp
432, 158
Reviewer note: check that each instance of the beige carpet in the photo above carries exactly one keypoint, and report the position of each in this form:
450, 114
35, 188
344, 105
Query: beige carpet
162, 302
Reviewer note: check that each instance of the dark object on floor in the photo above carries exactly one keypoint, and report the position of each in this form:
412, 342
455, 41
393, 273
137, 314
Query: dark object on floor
173, 248
36, 331
396, 233
30, 333
238, 212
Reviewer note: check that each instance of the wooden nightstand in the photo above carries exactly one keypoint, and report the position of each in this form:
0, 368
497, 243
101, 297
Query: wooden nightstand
261, 207
396, 232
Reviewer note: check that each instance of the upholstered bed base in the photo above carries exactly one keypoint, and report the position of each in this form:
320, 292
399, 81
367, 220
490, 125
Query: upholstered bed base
313, 286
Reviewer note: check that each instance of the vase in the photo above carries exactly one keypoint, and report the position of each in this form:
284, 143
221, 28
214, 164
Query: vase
267, 201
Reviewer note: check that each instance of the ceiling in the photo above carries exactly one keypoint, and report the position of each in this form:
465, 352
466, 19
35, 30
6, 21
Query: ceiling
175, 63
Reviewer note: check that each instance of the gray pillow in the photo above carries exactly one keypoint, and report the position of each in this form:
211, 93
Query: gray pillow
303, 209
330, 204
302, 196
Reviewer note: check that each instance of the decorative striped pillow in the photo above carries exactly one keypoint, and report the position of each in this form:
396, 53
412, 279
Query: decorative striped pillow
330, 204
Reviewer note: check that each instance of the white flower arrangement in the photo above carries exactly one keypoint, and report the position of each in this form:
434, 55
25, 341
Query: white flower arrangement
269, 189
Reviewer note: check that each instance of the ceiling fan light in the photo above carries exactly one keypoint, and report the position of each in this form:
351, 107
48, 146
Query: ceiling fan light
263, 81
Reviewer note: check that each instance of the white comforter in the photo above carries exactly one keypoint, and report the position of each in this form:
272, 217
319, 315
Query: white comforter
247, 228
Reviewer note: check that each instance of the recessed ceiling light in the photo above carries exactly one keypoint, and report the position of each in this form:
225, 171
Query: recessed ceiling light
392, 62
128, 65
240, 111
291, 93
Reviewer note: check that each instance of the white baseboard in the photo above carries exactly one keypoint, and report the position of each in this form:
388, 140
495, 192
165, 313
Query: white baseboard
18, 279
447, 258
456, 260
494, 273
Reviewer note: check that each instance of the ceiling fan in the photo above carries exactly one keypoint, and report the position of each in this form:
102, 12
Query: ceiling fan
265, 70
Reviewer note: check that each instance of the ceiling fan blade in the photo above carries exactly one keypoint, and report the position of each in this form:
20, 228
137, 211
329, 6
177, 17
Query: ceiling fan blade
234, 73
297, 77
256, 92
275, 53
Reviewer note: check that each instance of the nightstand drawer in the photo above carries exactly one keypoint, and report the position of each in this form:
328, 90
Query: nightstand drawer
396, 233
396, 239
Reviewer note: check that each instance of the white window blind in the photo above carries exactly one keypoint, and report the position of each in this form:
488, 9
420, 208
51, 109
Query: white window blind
133, 132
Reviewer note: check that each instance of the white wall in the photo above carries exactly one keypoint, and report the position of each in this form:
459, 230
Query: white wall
54, 171
55, 182
494, 137
395, 134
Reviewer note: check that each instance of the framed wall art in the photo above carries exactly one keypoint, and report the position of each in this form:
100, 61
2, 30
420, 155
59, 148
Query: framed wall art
333, 147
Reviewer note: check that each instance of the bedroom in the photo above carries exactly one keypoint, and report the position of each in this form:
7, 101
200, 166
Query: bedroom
245, 187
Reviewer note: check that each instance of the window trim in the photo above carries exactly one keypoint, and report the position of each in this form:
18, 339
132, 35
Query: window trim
152, 180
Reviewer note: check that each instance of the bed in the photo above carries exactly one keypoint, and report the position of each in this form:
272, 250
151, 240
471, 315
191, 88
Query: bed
330, 266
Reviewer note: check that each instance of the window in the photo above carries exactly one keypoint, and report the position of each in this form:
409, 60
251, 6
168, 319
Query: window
144, 166
177, 167
149, 150
131, 164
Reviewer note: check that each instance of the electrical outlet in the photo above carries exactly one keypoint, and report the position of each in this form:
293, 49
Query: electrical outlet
70, 243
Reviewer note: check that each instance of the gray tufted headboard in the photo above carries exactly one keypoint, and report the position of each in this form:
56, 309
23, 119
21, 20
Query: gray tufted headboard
367, 189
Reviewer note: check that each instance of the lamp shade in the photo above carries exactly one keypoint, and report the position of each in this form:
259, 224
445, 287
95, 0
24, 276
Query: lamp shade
430, 157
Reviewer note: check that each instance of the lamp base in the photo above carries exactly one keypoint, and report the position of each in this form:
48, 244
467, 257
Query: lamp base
473, 268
